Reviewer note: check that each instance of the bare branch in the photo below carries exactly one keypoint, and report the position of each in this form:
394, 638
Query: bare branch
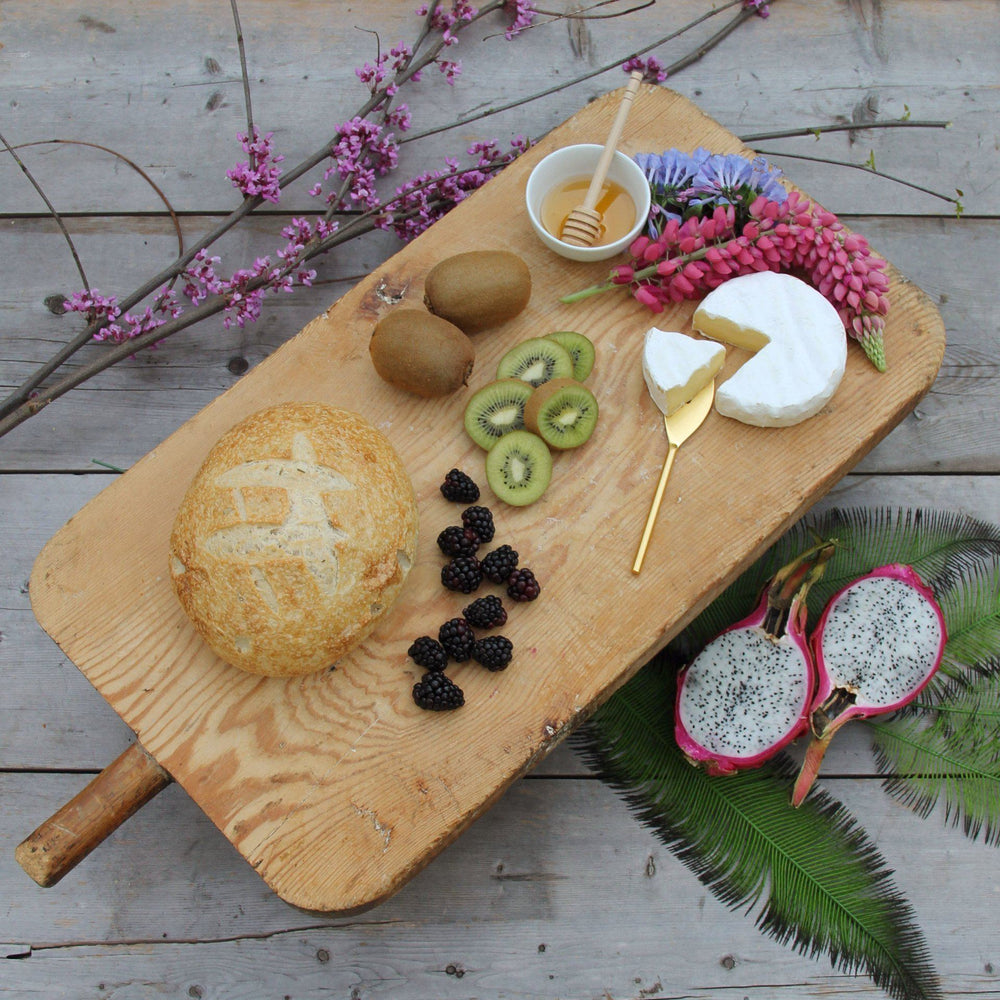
52, 209
245, 75
862, 166
816, 130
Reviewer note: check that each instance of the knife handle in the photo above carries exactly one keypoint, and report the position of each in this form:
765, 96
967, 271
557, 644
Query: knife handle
654, 508
67, 837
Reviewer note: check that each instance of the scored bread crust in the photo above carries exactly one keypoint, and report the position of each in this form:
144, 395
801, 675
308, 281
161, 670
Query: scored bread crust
294, 538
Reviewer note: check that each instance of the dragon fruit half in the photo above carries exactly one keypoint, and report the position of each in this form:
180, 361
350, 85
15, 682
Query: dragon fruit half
747, 693
876, 646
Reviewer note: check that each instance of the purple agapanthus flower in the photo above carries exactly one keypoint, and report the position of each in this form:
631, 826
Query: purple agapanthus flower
729, 179
670, 175
685, 184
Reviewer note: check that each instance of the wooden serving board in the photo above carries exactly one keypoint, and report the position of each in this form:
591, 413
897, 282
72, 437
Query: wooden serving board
336, 788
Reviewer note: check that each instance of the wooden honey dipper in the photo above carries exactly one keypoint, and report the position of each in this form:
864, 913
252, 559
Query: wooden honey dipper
582, 227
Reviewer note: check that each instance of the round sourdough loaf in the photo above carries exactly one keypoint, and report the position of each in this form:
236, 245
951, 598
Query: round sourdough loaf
294, 538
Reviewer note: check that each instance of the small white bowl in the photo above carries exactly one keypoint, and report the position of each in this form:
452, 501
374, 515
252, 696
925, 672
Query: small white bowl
580, 161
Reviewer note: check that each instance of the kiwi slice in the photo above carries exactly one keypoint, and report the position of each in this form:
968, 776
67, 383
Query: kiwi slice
581, 350
496, 409
535, 361
563, 413
519, 468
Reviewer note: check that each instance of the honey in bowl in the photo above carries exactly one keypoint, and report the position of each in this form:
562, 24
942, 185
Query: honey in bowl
614, 203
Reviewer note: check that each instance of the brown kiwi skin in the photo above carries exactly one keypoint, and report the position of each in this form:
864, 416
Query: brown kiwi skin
421, 353
478, 289
538, 399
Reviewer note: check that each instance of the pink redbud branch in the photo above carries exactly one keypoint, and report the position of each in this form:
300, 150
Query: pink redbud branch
167, 274
19, 402
702, 50
359, 225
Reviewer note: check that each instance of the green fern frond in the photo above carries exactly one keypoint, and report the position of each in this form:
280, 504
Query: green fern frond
940, 545
815, 878
949, 755
971, 606
970, 710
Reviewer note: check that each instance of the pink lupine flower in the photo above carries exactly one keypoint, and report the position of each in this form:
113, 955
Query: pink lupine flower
692, 256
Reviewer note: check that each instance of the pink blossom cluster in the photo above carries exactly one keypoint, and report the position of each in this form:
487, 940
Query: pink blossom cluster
760, 7
374, 74
116, 326
690, 258
522, 13
243, 302
423, 200
652, 69
244, 291
258, 177
300, 233
445, 17
364, 151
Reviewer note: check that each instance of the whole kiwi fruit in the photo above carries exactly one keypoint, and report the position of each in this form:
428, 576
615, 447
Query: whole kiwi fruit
478, 289
421, 353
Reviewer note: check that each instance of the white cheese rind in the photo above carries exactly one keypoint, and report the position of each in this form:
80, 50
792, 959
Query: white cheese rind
676, 366
797, 370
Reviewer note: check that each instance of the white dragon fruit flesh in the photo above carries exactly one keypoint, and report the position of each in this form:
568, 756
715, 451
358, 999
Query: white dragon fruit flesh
747, 693
877, 644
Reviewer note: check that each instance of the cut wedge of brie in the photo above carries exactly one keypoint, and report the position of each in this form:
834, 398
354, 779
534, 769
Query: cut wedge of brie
800, 344
676, 367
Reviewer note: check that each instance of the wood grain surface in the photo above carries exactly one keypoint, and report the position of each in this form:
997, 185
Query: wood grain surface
557, 891
336, 788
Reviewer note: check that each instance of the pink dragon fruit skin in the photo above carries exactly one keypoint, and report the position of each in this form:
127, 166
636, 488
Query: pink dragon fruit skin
777, 673
877, 645
747, 694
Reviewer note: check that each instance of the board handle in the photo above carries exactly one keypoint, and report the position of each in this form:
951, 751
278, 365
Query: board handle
67, 837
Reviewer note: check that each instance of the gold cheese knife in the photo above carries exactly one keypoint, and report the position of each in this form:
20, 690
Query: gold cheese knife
680, 425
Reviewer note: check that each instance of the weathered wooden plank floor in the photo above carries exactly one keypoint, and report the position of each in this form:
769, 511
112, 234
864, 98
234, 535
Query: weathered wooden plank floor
557, 891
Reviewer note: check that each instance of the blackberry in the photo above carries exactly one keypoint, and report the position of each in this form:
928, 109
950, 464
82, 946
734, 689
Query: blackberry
458, 541
428, 653
499, 564
437, 693
493, 651
459, 487
462, 573
456, 638
522, 585
486, 612
480, 520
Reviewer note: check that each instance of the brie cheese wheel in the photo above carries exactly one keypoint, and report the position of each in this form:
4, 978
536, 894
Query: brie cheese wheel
676, 367
800, 344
